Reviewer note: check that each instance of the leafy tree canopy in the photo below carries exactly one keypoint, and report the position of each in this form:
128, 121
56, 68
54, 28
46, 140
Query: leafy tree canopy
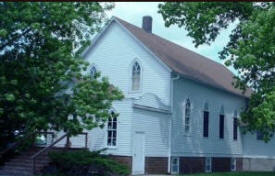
251, 49
43, 80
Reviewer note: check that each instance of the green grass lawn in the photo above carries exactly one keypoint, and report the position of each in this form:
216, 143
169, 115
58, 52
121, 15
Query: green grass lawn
237, 174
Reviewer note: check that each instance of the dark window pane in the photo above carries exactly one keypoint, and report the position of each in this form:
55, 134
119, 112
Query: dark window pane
221, 126
109, 125
114, 134
109, 133
114, 125
109, 141
205, 123
114, 141
235, 129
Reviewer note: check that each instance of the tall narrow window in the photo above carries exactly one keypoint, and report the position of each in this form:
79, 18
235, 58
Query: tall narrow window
187, 115
235, 126
136, 71
205, 120
93, 71
112, 130
221, 132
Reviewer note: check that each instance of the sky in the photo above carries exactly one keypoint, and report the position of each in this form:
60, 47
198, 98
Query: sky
133, 12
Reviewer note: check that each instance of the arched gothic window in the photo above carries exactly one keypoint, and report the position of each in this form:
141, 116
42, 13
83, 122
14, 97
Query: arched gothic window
93, 71
187, 115
136, 72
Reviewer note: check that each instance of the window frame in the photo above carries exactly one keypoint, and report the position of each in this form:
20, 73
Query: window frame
112, 130
94, 67
132, 76
233, 162
206, 120
177, 165
221, 126
187, 127
208, 159
235, 128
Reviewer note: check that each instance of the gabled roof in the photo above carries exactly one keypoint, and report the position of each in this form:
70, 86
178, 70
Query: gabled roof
186, 62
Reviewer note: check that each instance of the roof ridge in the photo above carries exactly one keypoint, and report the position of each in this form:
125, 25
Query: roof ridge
186, 62
155, 35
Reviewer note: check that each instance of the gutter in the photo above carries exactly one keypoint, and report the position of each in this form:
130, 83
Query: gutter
171, 119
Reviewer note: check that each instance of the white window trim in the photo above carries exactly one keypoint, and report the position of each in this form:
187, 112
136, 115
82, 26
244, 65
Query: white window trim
206, 108
130, 77
107, 130
90, 67
178, 165
210, 164
190, 119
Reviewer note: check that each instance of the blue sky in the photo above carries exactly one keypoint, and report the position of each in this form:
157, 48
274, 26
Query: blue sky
133, 12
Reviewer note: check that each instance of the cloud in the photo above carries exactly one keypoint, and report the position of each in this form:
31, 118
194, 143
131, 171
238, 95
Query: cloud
134, 11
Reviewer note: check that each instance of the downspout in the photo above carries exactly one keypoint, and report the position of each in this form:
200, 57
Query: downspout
171, 119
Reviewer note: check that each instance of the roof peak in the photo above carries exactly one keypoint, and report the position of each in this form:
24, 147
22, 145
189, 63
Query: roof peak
167, 40
186, 62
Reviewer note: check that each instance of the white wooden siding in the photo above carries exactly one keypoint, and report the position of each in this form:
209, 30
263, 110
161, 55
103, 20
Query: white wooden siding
194, 144
98, 137
257, 148
113, 56
155, 125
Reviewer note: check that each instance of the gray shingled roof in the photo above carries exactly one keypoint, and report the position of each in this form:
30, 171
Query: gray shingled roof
186, 62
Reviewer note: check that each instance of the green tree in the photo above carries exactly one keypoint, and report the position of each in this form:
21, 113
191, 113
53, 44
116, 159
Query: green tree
43, 80
251, 49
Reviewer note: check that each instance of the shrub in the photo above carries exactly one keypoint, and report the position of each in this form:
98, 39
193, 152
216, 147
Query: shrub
84, 162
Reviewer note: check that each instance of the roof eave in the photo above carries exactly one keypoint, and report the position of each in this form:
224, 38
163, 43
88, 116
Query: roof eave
96, 38
210, 85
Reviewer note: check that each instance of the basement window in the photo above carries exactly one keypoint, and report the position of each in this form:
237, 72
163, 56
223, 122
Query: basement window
233, 164
208, 164
175, 165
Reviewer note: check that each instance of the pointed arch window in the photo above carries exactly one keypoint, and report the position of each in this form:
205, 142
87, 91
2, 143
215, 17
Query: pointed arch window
187, 116
206, 120
136, 72
93, 71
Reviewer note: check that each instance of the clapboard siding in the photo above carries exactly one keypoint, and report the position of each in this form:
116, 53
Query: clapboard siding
98, 137
258, 148
194, 144
113, 55
155, 125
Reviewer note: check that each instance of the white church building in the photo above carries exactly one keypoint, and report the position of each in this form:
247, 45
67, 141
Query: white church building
180, 110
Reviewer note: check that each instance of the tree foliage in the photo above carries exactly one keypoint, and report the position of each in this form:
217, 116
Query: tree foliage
251, 49
43, 80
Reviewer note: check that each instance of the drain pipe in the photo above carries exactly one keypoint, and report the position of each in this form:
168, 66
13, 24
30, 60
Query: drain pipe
171, 119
